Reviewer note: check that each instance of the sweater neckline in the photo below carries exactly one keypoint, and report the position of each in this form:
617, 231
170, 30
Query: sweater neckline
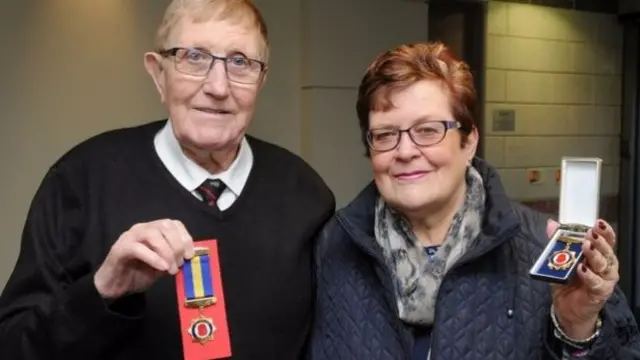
240, 201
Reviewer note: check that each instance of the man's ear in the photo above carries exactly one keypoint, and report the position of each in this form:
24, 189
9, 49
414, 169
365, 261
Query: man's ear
153, 64
264, 78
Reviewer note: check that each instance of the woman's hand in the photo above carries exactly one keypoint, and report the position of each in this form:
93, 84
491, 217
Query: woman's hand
577, 305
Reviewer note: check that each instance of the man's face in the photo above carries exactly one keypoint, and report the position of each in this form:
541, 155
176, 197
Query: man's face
208, 111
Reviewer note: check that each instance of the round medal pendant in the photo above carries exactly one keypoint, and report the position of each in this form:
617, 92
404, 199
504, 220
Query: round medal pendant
562, 260
202, 329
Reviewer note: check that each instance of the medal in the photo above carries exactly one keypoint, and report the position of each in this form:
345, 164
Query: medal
204, 330
565, 258
199, 293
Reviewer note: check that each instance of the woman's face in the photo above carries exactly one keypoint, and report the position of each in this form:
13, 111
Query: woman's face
412, 178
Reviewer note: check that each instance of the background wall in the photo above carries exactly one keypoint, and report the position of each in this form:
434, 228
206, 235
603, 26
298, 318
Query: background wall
558, 72
340, 39
73, 68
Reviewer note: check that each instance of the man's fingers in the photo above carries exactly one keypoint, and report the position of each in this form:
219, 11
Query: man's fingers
186, 239
173, 236
143, 253
155, 240
169, 239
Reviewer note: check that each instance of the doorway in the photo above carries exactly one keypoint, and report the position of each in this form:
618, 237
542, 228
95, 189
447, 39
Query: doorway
461, 25
629, 204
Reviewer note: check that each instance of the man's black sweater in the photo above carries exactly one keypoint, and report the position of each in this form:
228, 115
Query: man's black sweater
50, 308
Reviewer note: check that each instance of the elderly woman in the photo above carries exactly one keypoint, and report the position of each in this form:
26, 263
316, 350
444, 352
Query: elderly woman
431, 260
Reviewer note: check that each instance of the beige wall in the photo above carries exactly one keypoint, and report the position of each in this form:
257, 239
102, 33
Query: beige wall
340, 39
73, 68
559, 70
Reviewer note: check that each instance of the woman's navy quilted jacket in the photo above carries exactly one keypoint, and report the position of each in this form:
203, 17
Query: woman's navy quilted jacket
488, 307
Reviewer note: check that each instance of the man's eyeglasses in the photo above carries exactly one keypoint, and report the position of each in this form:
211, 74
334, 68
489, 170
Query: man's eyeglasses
423, 134
196, 62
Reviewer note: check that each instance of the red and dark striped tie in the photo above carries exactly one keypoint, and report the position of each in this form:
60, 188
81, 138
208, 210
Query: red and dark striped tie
210, 191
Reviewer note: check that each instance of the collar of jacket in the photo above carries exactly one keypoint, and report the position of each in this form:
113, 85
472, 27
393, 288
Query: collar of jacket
499, 224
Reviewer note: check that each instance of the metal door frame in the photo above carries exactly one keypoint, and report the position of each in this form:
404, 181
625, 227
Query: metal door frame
629, 187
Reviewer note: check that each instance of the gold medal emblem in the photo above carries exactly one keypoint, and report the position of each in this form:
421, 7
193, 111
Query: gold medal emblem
202, 329
565, 258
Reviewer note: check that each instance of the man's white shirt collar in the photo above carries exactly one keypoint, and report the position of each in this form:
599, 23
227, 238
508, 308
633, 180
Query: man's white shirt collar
192, 175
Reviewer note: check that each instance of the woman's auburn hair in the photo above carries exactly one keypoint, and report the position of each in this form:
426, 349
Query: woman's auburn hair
405, 65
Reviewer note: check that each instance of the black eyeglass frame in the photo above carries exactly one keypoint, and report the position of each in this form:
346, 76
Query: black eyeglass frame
448, 125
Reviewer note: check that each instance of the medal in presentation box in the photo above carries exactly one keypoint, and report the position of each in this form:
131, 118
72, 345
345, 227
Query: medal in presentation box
578, 212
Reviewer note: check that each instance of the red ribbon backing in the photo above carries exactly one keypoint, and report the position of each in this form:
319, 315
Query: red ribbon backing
220, 346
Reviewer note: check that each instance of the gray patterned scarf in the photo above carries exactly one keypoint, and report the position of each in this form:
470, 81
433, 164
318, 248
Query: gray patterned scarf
417, 277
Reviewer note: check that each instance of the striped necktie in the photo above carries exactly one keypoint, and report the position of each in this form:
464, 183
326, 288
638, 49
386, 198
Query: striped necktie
210, 191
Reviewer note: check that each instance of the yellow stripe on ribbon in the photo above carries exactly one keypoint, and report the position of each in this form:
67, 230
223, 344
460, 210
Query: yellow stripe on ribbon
198, 287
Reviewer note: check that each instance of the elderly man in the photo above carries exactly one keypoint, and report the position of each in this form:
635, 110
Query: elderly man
115, 218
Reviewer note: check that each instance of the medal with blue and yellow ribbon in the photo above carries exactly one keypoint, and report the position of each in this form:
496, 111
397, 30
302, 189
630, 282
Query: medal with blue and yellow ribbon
199, 293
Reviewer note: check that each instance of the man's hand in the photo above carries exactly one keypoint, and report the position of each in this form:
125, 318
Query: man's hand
141, 255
